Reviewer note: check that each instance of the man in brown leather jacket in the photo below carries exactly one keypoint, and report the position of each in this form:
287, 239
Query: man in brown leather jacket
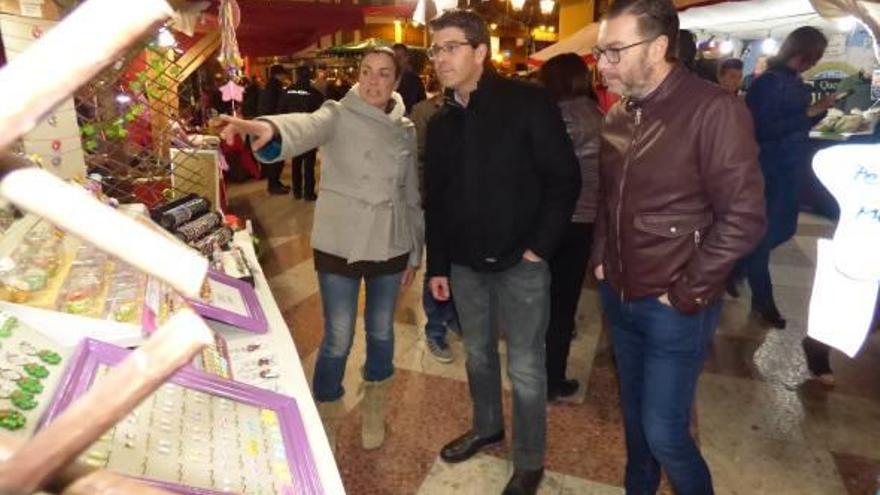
681, 199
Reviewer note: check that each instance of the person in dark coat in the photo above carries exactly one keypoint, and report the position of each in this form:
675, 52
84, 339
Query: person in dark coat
269, 101
781, 107
502, 181
302, 97
410, 86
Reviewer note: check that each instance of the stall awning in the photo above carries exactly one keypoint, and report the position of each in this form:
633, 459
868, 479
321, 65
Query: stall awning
583, 40
283, 27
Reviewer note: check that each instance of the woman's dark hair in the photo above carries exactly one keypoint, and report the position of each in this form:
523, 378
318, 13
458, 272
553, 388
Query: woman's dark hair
806, 42
384, 50
566, 76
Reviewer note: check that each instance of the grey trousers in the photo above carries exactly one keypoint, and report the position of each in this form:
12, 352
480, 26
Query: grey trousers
520, 298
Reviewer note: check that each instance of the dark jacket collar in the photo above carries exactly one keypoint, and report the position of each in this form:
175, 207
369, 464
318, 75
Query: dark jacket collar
487, 82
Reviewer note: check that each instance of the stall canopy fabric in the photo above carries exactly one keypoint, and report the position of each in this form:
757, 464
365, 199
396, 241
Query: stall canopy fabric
359, 47
282, 27
744, 17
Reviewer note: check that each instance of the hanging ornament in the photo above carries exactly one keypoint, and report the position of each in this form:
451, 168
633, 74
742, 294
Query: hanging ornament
230, 58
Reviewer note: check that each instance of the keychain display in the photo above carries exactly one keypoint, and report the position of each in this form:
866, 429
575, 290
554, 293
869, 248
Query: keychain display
29, 370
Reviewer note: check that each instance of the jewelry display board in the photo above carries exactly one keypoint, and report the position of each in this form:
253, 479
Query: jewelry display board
197, 434
232, 301
31, 366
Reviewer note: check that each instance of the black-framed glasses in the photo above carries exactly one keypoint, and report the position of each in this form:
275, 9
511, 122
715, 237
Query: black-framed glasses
612, 55
449, 48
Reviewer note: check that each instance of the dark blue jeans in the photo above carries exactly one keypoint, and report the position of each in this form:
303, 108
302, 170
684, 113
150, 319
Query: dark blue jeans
438, 313
659, 354
782, 186
339, 300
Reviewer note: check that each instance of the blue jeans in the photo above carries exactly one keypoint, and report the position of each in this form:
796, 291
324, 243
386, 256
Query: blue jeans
339, 300
439, 314
659, 354
782, 186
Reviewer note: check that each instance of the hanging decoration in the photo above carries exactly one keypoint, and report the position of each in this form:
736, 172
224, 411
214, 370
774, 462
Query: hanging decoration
230, 57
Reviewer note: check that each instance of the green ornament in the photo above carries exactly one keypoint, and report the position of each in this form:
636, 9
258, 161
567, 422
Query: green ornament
23, 400
11, 419
8, 326
30, 385
36, 370
49, 357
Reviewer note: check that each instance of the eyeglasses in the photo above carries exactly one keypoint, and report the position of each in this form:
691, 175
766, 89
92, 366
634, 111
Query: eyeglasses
612, 55
446, 49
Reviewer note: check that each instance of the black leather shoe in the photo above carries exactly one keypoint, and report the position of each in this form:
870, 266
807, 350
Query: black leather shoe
524, 482
465, 446
770, 316
562, 390
279, 189
297, 194
311, 197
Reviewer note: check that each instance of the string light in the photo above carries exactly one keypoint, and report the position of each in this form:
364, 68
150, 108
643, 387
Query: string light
726, 47
769, 46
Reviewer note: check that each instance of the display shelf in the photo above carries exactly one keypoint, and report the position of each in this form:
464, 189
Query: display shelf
197, 434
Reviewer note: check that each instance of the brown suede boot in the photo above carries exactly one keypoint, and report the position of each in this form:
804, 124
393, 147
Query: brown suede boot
373, 409
332, 414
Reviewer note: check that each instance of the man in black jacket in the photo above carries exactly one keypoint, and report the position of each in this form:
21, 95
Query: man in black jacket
502, 181
302, 97
270, 97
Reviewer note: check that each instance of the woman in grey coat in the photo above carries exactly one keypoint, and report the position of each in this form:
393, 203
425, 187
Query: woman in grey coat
368, 225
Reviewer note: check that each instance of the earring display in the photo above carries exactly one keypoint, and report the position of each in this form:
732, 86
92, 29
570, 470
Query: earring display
30, 368
232, 301
198, 434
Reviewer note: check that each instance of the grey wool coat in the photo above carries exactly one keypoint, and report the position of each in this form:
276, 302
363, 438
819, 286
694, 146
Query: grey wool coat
369, 208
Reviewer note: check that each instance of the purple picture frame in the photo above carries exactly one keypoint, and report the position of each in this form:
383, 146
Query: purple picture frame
255, 321
83, 366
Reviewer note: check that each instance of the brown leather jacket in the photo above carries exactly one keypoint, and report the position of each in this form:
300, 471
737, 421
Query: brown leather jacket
681, 193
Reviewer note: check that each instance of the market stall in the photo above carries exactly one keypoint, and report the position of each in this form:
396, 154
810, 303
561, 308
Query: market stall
88, 279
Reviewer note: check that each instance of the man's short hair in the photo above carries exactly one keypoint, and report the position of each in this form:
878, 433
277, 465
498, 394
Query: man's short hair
474, 27
730, 64
399, 46
656, 18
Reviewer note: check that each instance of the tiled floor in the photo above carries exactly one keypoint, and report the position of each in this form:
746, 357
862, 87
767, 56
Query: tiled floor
762, 429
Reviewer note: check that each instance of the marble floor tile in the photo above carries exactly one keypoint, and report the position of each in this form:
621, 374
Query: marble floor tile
753, 465
730, 409
861, 476
294, 285
484, 474
414, 435
306, 324
841, 423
